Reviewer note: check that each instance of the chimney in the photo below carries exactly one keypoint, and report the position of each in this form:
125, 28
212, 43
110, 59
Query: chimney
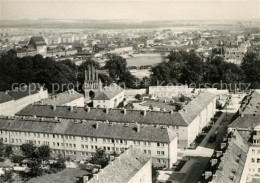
107, 110
208, 174
124, 112
96, 125
223, 145
95, 176
213, 162
71, 108
172, 112
242, 114
218, 153
144, 112
88, 109
137, 127
6, 92
85, 179
54, 107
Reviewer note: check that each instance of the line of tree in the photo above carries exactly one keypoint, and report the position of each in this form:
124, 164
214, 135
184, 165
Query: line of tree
181, 67
188, 67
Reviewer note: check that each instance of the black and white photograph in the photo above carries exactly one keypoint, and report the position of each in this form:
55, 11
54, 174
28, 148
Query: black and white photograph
129, 91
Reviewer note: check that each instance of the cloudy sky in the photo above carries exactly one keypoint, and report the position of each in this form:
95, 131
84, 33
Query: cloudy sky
131, 9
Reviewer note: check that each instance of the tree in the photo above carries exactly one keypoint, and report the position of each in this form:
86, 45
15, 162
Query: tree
60, 164
2, 148
44, 152
155, 174
8, 150
28, 150
116, 66
138, 96
8, 176
178, 106
251, 67
35, 169
100, 158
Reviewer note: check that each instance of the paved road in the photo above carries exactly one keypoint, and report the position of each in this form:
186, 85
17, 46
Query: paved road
212, 130
201, 161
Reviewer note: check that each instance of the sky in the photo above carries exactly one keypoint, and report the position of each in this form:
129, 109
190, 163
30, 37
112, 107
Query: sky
131, 9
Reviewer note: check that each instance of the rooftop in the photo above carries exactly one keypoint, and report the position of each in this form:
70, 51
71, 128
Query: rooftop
37, 41
109, 92
231, 171
5, 97
111, 115
24, 91
88, 129
123, 168
62, 98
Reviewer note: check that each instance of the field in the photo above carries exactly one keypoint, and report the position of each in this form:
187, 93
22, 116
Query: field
143, 59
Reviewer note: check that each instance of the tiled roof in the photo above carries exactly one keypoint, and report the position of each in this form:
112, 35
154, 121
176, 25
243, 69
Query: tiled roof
109, 92
33, 125
37, 40
249, 112
233, 161
120, 131
183, 118
62, 98
123, 168
248, 121
113, 115
89, 129
196, 106
24, 91
251, 103
5, 97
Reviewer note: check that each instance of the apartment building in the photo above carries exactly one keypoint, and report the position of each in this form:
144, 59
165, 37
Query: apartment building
13, 101
134, 166
79, 139
247, 124
109, 97
187, 124
67, 98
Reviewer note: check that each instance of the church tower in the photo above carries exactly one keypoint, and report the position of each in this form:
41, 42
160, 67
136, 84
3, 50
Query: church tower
92, 84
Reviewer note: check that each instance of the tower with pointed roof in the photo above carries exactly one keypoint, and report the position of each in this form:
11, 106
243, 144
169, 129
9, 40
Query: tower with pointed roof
92, 84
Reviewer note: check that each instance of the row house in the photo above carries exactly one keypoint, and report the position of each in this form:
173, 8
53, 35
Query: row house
80, 139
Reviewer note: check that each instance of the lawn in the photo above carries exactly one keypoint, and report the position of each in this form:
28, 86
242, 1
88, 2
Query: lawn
159, 104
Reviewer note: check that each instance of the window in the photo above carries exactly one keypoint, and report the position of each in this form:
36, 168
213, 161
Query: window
149, 143
53, 136
82, 146
158, 152
162, 152
258, 160
144, 143
53, 143
86, 146
149, 151
82, 138
104, 140
82, 153
108, 148
145, 151
253, 160
74, 145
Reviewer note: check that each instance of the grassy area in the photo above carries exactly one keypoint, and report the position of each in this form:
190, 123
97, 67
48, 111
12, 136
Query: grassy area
159, 104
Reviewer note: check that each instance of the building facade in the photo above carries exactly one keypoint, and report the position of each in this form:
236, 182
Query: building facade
21, 97
80, 139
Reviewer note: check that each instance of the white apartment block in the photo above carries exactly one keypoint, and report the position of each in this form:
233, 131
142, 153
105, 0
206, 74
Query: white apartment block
79, 139
13, 101
187, 124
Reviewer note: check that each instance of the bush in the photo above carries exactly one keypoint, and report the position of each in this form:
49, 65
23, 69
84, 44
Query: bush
17, 159
138, 96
